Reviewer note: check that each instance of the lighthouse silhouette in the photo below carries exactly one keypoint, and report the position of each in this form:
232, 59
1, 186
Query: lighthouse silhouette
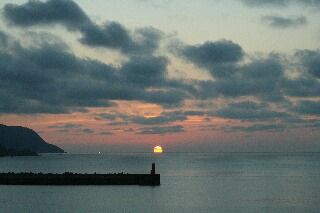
153, 170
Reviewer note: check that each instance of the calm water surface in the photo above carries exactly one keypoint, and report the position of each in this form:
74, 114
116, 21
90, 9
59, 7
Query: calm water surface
190, 182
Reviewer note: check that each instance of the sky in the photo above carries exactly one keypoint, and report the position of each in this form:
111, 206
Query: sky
191, 76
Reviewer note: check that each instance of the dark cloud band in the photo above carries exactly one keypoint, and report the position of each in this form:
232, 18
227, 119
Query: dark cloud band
284, 22
67, 13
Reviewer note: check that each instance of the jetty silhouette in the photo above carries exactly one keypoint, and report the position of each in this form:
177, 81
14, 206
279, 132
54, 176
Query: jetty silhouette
69, 178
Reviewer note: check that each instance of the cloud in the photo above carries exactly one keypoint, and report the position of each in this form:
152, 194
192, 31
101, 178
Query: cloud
162, 119
312, 124
310, 59
160, 130
118, 123
249, 111
268, 78
109, 116
304, 86
87, 131
284, 22
66, 126
168, 98
67, 13
256, 128
259, 3
3, 39
212, 55
71, 126
105, 133
44, 79
156, 4
234, 75
146, 71
115, 36
281, 3
308, 107
32, 13
260, 77
265, 77
48, 78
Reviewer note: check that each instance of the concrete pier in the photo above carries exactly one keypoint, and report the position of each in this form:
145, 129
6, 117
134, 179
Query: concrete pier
68, 178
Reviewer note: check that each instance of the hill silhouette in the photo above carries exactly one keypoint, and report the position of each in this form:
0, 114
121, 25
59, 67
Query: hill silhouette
13, 152
21, 138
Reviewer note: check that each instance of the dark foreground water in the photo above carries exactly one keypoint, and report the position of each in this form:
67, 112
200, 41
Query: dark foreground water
217, 182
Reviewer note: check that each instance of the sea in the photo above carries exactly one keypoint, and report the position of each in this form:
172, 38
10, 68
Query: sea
190, 182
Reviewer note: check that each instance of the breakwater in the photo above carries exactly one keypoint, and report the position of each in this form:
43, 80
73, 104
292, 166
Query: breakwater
69, 178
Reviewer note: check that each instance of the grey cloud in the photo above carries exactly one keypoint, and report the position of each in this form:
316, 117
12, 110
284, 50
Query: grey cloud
49, 78
308, 107
160, 130
147, 38
169, 98
313, 124
156, 3
162, 119
115, 36
284, 22
111, 34
3, 39
256, 128
87, 130
42, 13
311, 3
67, 13
187, 113
304, 86
71, 126
249, 111
261, 78
117, 119
118, 123
146, 71
307, 83
281, 3
108, 116
66, 126
288, 123
31, 77
105, 133
310, 60
128, 130
18, 105
213, 55
259, 3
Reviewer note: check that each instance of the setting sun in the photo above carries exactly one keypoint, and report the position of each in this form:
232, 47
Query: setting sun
157, 149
